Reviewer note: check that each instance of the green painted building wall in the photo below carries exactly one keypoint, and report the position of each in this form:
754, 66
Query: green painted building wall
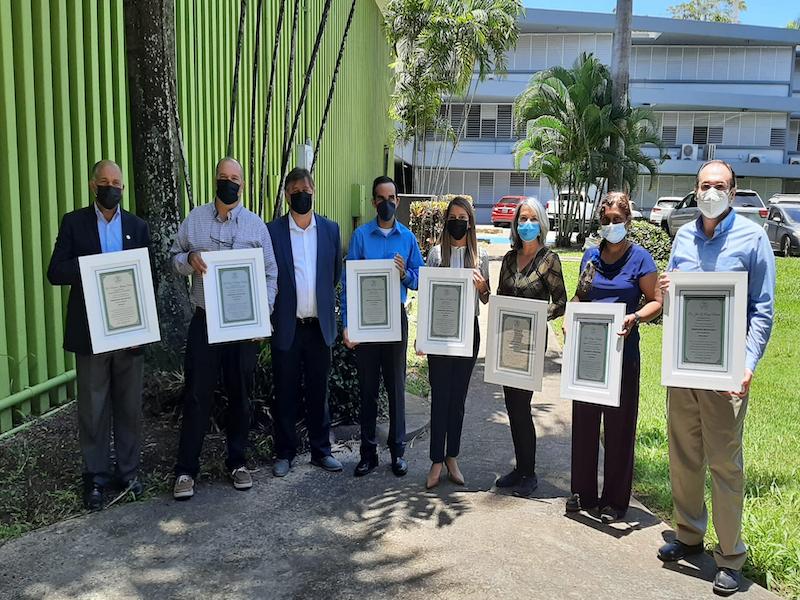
64, 105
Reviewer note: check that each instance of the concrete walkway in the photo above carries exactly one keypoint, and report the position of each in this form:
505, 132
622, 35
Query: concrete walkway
329, 535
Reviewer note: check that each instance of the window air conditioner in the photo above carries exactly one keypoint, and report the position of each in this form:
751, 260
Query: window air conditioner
794, 161
757, 158
689, 152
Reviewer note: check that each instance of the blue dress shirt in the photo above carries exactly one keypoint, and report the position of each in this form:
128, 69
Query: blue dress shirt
110, 232
738, 244
368, 242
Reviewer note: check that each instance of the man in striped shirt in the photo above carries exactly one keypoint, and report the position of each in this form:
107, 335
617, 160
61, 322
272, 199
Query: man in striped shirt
220, 225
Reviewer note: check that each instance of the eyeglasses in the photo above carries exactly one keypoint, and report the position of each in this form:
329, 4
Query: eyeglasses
722, 187
224, 244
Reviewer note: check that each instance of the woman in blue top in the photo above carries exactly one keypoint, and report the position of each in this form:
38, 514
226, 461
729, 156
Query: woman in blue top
616, 271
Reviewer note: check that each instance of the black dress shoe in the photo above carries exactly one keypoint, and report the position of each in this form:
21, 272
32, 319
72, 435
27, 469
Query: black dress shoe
512, 479
92, 495
366, 466
527, 486
399, 466
676, 550
726, 581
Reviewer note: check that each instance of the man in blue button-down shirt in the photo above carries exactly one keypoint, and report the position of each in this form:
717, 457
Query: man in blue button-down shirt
381, 239
705, 427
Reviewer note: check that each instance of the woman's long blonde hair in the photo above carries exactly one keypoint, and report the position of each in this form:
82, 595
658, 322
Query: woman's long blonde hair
471, 257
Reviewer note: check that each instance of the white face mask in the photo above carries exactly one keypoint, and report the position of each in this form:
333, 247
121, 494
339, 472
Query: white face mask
713, 202
613, 233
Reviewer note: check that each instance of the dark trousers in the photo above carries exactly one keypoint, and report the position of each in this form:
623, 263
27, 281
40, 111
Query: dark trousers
449, 377
390, 360
619, 438
523, 432
310, 357
109, 392
236, 363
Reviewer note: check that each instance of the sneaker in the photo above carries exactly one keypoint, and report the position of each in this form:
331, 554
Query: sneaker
281, 467
513, 479
608, 515
328, 463
527, 486
184, 487
574, 504
241, 478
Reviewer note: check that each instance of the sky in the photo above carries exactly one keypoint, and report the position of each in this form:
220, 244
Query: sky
769, 13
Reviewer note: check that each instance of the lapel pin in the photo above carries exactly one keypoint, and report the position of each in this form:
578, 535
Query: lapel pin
127, 237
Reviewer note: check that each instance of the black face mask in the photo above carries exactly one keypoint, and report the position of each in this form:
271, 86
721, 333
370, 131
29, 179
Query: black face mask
386, 210
228, 191
109, 196
301, 202
457, 228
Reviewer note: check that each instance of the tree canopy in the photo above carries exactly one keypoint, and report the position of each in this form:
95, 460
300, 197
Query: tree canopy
706, 10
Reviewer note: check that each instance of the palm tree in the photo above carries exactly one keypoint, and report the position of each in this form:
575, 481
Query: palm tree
571, 123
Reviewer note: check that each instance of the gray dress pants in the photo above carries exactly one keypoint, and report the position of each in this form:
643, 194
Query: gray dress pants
110, 392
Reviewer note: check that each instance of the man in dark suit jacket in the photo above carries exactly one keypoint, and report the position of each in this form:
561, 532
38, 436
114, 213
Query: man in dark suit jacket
109, 384
309, 255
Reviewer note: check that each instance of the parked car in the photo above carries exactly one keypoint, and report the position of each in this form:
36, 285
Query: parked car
785, 199
783, 228
636, 214
581, 208
503, 211
747, 203
664, 206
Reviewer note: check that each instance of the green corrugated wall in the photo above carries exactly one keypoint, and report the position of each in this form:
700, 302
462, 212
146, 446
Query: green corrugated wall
64, 105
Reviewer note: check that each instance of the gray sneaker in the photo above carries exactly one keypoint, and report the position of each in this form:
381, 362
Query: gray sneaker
281, 467
242, 479
184, 487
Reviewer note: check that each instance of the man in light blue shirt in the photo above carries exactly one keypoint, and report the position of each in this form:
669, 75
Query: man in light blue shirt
383, 238
705, 427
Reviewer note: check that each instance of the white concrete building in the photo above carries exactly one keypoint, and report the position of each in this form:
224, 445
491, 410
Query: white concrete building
718, 89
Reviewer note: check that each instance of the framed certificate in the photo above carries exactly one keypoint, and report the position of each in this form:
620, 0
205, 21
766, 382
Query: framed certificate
235, 289
705, 330
515, 342
120, 299
445, 321
373, 301
591, 368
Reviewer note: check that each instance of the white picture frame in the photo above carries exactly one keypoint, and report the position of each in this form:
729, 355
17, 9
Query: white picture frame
705, 331
373, 301
591, 365
515, 343
120, 299
446, 316
235, 291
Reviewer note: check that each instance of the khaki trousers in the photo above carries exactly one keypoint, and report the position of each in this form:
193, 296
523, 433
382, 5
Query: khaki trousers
705, 428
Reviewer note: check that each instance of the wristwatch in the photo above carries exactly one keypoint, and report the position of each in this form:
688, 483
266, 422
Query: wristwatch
637, 318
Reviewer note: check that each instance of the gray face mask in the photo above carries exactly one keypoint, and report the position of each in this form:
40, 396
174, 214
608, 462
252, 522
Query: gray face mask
712, 203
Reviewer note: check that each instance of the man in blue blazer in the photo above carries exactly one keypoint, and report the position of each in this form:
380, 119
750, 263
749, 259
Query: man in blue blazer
308, 251
109, 384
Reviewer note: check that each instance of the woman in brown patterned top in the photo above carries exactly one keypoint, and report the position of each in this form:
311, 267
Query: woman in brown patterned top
529, 270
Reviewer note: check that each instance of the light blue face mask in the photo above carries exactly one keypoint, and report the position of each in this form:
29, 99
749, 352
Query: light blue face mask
614, 232
528, 231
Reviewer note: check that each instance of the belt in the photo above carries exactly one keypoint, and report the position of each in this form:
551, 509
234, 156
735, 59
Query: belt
308, 321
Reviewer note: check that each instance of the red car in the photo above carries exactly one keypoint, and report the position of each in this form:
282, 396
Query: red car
503, 211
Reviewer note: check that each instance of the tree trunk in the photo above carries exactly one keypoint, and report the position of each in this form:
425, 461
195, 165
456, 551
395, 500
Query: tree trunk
620, 81
268, 110
277, 210
252, 174
235, 90
150, 41
289, 144
333, 85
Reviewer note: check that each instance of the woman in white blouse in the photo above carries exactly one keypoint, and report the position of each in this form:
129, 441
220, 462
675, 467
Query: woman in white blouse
449, 375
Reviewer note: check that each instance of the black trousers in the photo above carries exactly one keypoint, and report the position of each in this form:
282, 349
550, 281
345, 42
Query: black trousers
523, 432
449, 377
110, 394
308, 357
390, 361
235, 362
619, 437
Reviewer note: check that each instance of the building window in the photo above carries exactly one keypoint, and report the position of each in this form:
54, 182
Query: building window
700, 135
504, 122
715, 135
669, 134
474, 122
777, 138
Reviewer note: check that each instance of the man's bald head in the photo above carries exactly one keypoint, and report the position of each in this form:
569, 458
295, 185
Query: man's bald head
225, 165
108, 171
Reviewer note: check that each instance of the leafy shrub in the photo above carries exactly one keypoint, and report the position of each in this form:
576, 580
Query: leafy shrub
427, 220
653, 239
